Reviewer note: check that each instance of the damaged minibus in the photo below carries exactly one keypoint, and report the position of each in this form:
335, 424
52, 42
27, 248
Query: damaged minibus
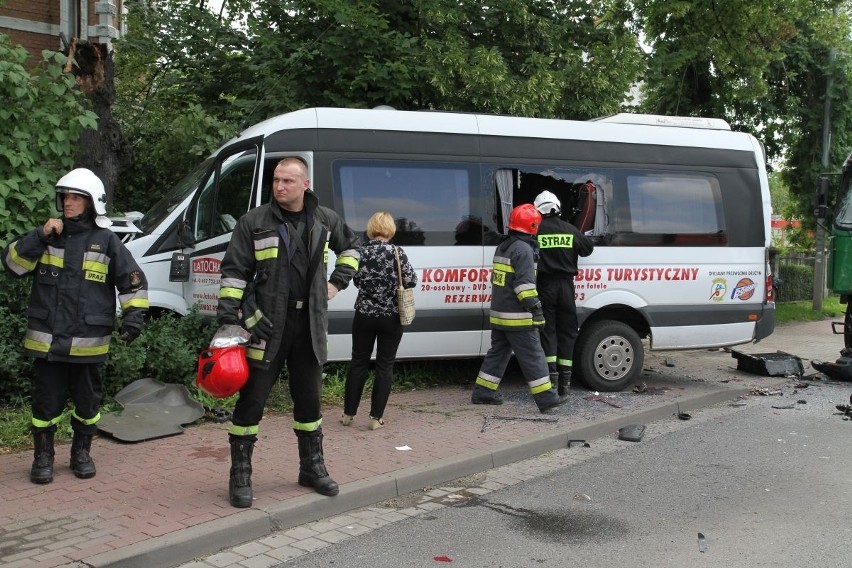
679, 209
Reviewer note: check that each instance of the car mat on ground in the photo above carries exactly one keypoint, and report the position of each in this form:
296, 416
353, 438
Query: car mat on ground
631, 432
151, 409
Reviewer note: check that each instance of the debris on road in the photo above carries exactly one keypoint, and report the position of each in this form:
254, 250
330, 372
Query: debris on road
578, 444
524, 418
778, 364
605, 399
840, 370
766, 392
631, 432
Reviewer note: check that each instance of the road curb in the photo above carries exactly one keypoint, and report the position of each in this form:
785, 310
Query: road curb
251, 524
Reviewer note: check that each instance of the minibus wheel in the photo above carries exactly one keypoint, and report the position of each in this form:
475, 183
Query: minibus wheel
608, 356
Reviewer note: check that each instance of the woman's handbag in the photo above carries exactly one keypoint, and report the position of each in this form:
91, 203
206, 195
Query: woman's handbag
404, 296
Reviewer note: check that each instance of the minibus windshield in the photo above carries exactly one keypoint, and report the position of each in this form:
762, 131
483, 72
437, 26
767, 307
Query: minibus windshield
173, 198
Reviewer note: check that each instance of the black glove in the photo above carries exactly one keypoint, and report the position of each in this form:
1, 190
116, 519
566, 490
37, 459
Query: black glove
537, 315
128, 333
254, 321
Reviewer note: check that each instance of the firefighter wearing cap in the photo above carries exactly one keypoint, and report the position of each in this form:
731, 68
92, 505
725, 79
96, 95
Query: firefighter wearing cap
76, 265
274, 285
516, 315
560, 244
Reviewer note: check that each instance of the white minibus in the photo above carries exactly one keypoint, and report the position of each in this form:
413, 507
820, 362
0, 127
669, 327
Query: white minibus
679, 209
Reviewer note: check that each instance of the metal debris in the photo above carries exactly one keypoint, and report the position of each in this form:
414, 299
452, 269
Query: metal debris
486, 418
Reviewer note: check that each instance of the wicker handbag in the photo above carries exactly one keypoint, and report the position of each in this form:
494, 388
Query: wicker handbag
404, 296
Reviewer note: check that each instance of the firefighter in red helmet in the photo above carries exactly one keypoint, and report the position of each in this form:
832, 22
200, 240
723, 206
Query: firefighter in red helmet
516, 315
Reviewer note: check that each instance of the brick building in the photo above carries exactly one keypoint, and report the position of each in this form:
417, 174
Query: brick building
39, 24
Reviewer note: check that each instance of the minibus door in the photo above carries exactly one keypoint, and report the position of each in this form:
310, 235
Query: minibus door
226, 194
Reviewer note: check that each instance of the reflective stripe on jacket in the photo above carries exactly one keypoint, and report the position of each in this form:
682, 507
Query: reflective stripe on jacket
513, 289
257, 248
71, 311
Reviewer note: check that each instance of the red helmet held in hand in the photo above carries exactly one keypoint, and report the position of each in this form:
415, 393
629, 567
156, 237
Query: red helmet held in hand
525, 218
222, 371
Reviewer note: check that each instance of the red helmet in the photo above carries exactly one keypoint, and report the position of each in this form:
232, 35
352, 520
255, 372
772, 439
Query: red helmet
222, 371
525, 218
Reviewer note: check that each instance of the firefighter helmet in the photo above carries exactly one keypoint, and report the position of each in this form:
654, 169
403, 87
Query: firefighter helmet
547, 203
84, 182
222, 371
525, 218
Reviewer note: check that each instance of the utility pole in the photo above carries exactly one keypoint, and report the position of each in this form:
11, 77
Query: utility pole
822, 194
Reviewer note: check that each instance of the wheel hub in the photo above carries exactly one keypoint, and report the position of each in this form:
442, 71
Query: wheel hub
613, 357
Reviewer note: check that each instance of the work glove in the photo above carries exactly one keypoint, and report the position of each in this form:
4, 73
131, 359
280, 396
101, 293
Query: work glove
255, 322
537, 315
229, 335
128, 333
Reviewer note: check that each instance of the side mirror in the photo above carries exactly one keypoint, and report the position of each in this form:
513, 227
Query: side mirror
179, 268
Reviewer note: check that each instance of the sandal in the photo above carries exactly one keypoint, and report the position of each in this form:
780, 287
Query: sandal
346, 420
376, 423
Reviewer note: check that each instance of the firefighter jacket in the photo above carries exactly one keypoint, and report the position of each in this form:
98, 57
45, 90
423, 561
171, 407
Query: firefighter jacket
513, 292
560, 244
257, 258
71, 311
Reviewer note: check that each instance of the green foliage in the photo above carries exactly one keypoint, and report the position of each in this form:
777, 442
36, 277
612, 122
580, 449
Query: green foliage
167, 350
802, 310
797, 282
764, 66
187, 79
41, 118
16, 369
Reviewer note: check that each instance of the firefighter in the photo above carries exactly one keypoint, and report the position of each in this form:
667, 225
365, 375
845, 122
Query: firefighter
76, 264
560, 244
516, 315
274, 285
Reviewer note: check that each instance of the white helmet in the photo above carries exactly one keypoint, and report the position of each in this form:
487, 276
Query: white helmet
547, 203
84, 182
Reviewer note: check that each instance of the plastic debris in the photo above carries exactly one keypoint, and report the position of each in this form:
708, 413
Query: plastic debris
769, 364
631, 432
578, 444
702, 543
442, 558
604, 399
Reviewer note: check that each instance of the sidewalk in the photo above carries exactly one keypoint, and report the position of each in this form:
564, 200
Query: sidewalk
160, 503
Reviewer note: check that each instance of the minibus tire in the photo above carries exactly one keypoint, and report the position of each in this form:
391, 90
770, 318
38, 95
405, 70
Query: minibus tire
608, 356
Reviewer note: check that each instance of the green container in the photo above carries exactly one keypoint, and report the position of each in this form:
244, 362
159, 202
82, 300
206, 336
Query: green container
840, 262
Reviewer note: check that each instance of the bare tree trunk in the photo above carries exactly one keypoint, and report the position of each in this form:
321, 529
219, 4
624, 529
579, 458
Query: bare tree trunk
105, 151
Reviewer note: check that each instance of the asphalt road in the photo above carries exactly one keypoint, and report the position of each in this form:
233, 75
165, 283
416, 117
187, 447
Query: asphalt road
768, 483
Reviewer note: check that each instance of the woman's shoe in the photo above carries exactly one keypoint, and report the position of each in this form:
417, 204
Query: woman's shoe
346, 420
376, 423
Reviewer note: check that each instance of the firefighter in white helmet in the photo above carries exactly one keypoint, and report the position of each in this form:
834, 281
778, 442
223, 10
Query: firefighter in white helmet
560, 244
76, 265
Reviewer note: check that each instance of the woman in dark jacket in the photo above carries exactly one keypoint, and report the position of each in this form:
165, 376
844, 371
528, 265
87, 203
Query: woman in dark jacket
376, 321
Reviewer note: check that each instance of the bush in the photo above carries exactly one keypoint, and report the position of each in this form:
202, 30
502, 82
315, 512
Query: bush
167, 349
797, 282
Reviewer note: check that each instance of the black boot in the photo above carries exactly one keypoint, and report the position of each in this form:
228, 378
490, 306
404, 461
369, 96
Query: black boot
564, 388
312, 472
484, 395
42, 470
239, 485
81, 462
547, 400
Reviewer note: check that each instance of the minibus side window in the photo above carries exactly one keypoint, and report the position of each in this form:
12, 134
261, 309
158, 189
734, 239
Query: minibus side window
221, 204
660, 209
430, 201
